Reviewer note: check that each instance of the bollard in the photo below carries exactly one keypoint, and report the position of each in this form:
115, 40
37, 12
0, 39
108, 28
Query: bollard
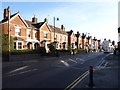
91, 84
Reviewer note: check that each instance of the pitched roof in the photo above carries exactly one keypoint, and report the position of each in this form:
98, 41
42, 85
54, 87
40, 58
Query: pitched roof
37, 25
5, 19
70, 32
57, 30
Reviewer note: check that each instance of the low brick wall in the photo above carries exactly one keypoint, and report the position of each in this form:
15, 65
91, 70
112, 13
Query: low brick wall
32, 56
22, 57
25, 57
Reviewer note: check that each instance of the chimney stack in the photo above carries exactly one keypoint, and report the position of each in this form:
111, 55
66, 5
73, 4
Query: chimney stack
46, 20
6, 13
62, 28
34, 20
78, 33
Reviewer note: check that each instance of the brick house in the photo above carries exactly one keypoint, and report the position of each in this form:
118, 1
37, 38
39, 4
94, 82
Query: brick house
83, 40
32, 34
119, 37
79, 40
89, 41
61, 37
95, 44
18, 28
71, 39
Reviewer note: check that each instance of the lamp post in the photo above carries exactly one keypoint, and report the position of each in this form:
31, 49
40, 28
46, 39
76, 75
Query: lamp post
54, 25
8, 33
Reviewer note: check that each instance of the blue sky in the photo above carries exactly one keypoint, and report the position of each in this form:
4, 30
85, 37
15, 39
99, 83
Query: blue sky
100, 19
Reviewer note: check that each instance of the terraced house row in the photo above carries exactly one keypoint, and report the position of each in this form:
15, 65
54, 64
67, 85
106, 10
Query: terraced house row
32, 34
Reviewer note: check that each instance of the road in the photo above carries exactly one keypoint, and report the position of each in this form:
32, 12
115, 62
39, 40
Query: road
65, 72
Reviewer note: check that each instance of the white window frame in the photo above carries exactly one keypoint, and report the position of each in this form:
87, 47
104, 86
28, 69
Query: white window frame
60, 37
65, 39
17, 30
18, 41
45, 35
55, 37
28, 32
34, 34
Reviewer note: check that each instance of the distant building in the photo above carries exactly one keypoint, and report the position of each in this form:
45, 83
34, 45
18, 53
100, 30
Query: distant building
95, 44
107, 45
71, 39
119, 37
83, 41
79, 40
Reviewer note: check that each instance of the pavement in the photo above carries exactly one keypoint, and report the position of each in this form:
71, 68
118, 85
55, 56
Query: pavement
106, 76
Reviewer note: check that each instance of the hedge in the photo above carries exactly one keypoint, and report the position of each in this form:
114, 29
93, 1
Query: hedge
39, 50
4, 38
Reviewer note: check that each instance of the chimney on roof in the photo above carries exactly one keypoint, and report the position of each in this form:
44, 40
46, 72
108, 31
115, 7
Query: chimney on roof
6, 12
78, 33
34, 20
62, 28
46, 20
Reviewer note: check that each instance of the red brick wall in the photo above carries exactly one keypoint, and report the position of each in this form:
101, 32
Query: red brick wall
17, 20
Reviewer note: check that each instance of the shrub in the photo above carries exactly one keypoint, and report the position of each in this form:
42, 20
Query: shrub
39, 50
5, 44
80, 50
52, 48
70, 49
63, 50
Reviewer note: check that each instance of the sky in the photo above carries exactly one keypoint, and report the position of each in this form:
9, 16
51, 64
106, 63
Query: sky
100, 19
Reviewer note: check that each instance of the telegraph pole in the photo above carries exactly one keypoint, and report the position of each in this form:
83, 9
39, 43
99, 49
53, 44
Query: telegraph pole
54, 29
8, 33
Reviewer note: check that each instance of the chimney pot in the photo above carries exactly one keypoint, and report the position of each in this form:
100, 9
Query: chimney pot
6, 12
34, 20
62, 28
46, 20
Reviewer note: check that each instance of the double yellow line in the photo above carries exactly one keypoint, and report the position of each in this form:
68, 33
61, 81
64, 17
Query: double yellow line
75, 82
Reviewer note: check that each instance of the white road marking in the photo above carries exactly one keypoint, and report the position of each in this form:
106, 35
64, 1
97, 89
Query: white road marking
72, 60
65, 63
22, 72
18, 69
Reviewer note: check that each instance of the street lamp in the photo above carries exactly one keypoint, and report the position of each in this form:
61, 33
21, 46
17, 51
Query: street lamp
57, 19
